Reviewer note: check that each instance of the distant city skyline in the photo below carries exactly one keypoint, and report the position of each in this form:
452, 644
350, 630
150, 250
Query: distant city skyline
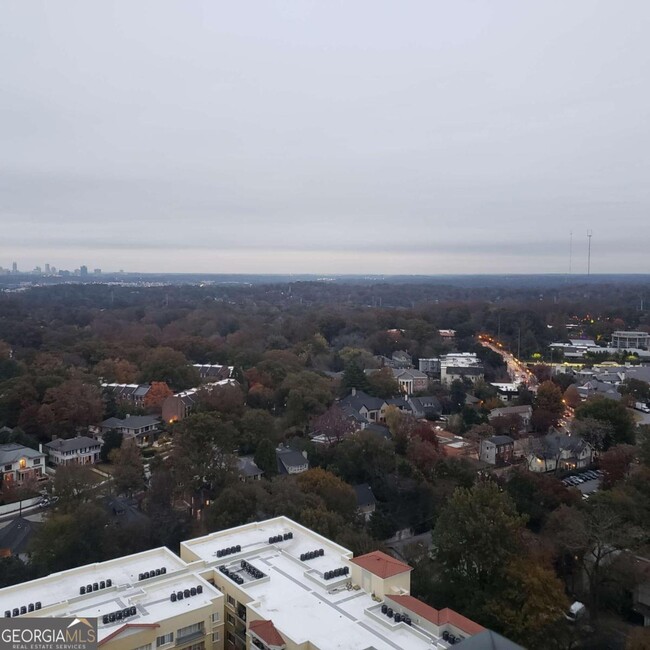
307, 137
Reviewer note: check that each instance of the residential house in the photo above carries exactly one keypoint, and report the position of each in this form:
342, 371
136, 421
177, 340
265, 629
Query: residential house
596, 388
248, 470
367, 406
525, 413
402, 359
141, 428
16, 536
214, 372
291, 461
447, 335
178, 406
559, 452
366, 502
424, 407
128, 392
74, 451
411, 381
506, 392
497, 450
19, 464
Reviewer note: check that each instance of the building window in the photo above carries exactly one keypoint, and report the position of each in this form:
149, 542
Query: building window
189, 630
216, 617
230, 618
215, 637
7, 468
231, 601
22, 463
231, 638
164, 639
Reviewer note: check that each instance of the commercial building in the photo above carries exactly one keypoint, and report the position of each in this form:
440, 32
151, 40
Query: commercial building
273, 585
628, 340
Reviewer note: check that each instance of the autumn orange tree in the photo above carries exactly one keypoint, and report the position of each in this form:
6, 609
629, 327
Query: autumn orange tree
157, 394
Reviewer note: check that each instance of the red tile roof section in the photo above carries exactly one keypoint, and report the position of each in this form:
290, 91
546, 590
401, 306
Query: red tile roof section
437, 616
381, 565
267, 632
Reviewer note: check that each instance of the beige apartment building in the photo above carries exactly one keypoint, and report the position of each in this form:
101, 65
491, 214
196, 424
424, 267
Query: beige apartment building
273, 585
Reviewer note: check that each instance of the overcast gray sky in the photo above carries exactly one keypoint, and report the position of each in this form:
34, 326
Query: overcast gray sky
350, 136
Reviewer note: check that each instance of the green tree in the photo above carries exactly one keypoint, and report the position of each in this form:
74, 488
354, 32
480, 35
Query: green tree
531, 601
70, 539
337, 495
354, 377
265, 457
595, 432
128, 470
613, 413
476, 535
74, 485
235, 505
203, 453
549, 399
256, 425
112, 440
383, 384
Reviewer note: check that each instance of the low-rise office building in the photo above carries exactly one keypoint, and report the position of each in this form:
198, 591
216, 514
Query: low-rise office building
273, 585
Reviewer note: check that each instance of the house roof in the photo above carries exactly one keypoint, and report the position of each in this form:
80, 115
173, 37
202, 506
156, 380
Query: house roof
72, 444
361, 399
247, 466
501, 440
379, 429
488, 640
12, 451
364, 494
266, 631
381, 564
511, 410
400, 373
17, 534
437, 617
288, 457
131, 422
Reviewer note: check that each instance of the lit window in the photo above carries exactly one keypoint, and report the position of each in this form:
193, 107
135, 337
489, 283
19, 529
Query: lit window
22, 463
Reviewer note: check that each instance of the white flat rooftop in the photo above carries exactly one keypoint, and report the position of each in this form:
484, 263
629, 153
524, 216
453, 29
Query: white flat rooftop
331, 619
58, 588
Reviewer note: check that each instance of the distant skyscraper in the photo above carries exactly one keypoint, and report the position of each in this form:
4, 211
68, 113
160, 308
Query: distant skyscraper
83, 270
47, 268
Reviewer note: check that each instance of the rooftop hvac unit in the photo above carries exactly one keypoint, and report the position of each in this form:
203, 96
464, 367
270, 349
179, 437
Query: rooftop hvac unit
15, 612
105, 619
286, 536
398, 617
82, 591
30, 607
112, 617
238, 548
179, 595
193, 591
95, 586
173, 597
199, 589
407, 620
23, 609
157, 572
37, 604
102, 584
7, 613
384, 608
140, 576
389, 613
89, 588
321, 552
186, 593
118, 615
163, 570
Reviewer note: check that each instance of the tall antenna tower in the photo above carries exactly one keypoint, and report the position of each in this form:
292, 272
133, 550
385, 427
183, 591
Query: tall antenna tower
589, 233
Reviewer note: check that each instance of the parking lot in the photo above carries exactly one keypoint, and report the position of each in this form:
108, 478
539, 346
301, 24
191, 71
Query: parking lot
589, 486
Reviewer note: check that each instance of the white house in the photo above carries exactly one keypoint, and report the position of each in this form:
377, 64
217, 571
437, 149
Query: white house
555, 452
74, 451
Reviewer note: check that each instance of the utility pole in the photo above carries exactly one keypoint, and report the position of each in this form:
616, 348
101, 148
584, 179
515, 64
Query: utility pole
589, 233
